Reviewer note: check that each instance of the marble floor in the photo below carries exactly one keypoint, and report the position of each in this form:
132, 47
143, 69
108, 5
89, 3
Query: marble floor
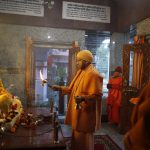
112, 131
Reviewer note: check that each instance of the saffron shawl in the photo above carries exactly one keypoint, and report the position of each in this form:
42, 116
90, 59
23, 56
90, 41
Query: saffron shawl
87, 83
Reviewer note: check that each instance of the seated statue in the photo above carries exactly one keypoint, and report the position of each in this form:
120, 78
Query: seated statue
10, 107
8, 102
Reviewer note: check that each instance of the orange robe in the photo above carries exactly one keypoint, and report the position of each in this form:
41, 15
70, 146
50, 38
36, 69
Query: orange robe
114, 99
138, 137
84, 121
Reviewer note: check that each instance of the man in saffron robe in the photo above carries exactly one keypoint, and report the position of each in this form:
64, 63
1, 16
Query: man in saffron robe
85, 90
114, 96
138, 137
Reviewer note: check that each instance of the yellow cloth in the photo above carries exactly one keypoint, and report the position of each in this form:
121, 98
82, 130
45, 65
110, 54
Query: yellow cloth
5, 103
1, 84
85, 55
17, 102
4, 91
5, 99
86, 83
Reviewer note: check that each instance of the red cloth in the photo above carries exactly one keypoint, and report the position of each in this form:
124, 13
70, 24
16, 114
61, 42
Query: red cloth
114, 99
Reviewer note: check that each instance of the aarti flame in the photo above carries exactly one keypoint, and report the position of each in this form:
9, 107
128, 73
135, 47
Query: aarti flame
43, 80
41, 75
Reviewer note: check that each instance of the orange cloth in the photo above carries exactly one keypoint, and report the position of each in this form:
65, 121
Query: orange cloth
84, 121
138, 137
1, 84
82, 141
86, 83
114, 99
134, 100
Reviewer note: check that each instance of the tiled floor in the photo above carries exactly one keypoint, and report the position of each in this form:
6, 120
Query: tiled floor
112, 131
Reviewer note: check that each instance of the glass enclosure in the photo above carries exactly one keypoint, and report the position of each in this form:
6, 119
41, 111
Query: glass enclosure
53, 64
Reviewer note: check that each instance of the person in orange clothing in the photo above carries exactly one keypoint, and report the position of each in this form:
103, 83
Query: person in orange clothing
84, 107
138, 137
114, 96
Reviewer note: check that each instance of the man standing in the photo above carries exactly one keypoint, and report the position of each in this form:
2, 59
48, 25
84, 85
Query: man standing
114, 96
84, 107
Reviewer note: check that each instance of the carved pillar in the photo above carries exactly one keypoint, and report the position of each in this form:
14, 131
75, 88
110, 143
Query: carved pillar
72, 60
29, 90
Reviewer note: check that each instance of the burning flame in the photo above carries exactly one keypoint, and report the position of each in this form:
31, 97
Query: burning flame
41, 76
43, 80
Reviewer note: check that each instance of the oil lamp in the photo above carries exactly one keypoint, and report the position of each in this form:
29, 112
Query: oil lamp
43, 80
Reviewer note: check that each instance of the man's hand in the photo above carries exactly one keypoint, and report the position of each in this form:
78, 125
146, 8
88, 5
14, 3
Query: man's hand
79, 99
43, 82
55, 87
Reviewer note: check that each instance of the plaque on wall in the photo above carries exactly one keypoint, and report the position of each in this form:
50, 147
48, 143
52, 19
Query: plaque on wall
22, 7
85, 12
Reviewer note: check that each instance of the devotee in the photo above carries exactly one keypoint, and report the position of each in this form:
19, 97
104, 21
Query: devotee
138, 137
114, 96
84, 107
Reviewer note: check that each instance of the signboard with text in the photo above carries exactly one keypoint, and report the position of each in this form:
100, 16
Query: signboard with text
85, 12
22, 7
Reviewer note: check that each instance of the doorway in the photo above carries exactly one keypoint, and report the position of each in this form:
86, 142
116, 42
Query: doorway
53, 64
57, 64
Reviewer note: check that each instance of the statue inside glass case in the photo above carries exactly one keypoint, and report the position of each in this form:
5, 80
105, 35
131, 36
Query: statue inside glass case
10, 107
5, 99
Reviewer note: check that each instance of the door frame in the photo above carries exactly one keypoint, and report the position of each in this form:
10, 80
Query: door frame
30, 63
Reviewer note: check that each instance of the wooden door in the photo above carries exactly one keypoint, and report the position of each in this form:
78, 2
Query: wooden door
129, 91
